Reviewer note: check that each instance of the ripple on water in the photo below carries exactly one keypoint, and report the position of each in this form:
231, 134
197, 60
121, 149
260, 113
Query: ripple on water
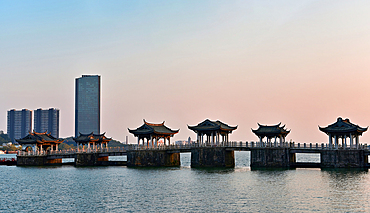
183, 189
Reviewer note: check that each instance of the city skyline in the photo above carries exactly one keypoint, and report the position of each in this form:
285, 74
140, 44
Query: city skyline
303, 64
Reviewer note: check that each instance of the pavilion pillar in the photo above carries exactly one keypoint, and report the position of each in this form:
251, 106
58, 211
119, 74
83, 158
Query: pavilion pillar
336, 141
212, 138
94, 146
78, 147
345, 142
275, 141
330, 141
202, 138
357, 141
138, 141
281, 141
260, 140
83, 147
151, 140
169, 141
350, 140
56, 147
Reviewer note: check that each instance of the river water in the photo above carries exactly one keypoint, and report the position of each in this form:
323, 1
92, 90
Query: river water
122, 189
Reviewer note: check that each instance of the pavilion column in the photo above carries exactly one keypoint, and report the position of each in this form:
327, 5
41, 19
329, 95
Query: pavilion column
330, 141
212, 138
260, 140
169, 141
151, 140
275, 141
357, 141
202, 138
138, 141
78, 147
94, 147
350, 140
281, 141
336, 141
345, 141
83, 147
56, 147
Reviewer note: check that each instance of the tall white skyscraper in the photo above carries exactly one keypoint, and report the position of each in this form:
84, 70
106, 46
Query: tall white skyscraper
87, 105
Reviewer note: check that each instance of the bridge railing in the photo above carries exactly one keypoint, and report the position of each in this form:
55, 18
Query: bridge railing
234, 144
69, 151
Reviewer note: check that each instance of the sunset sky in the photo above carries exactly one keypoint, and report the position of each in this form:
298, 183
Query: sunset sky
302, 63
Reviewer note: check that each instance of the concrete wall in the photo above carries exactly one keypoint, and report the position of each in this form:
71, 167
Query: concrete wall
212, 157
155, 158
343, 159
271, 157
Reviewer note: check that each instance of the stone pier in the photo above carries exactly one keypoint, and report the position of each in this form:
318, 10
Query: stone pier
212, 157
343, 159
271, 157
37, 161
152, 158
90, 159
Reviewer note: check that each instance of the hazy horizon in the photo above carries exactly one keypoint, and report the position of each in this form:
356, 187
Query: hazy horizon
301, 63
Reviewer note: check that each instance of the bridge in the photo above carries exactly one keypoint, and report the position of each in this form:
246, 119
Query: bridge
89, 157
263, 154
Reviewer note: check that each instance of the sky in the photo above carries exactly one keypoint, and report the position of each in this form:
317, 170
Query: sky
301, 63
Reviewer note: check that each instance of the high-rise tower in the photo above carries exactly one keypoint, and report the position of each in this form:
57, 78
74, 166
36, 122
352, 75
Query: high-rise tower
87, 105
19, 123
47, 120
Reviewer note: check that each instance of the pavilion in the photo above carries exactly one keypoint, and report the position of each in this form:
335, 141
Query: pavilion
273, 131
153, 132
343, 129
92, 140
213, 130
39, 141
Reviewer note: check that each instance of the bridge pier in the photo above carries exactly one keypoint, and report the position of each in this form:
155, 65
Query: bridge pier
344, 158
91, 159
271, 157
37, 161
212, 157
152, 158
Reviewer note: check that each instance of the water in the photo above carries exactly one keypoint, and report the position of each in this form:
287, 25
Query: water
122, 189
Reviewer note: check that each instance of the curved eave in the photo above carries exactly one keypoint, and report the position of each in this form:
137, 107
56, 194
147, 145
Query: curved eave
138, 132
229, 129
167, 133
